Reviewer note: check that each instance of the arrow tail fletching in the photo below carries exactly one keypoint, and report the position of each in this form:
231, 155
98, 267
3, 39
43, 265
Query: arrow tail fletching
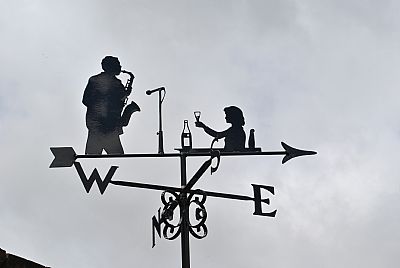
63, 157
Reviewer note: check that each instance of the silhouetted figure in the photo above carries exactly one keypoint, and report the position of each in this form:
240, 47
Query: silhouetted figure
104, 98
235, 137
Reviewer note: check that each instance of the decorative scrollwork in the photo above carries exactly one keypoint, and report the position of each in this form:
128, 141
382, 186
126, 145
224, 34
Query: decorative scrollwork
198, 229
171, 230
173, 203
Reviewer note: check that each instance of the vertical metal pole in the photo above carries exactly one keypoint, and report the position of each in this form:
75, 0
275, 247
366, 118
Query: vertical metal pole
185, 216
160, 131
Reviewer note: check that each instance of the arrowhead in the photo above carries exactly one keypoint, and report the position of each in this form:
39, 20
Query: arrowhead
63, 157
293, 152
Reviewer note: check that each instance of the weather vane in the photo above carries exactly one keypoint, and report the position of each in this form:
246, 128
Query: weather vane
105, 118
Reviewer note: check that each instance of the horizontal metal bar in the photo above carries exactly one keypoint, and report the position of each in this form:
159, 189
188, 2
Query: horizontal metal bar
176, 189
126, 155
228, 196
146, 186
187, 154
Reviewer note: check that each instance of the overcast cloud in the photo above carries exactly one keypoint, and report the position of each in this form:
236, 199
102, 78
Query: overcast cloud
318, 75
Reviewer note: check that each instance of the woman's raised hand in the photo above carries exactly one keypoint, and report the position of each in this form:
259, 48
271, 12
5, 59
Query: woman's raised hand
199, 124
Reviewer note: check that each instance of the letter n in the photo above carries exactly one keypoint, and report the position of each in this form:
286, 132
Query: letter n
156, 222
95, 176
258, 200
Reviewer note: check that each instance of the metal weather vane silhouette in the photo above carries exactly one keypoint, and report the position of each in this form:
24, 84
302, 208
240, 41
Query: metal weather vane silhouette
173, 219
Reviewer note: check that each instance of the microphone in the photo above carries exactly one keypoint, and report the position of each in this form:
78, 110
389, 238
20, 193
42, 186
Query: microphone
151, 91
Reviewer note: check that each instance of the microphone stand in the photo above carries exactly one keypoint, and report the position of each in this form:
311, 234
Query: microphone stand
160, 131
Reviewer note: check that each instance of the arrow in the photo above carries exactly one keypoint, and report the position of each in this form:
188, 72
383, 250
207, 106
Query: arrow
293, 152
66, 156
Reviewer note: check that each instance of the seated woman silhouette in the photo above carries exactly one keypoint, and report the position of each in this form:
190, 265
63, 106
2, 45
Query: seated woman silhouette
235, 137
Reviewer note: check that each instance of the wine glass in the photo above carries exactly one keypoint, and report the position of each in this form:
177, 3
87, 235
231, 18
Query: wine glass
197, 115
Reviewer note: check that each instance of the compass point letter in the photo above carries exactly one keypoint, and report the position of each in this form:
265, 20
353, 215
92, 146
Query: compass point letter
95, 176
258, 200
156, 222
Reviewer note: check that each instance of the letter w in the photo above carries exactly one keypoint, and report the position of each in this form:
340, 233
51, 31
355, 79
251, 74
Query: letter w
95, 176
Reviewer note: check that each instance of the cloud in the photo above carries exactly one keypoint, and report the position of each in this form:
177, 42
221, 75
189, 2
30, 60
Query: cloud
319, 76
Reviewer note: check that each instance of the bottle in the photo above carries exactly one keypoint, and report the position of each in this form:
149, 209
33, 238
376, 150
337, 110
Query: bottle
252, 142
186, 137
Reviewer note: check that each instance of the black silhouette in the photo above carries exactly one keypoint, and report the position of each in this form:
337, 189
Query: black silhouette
235, 137
252, 140
186, 136
161, 95
105, 97
176, 218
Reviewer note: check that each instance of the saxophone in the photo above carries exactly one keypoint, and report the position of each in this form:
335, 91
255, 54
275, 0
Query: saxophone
132, 107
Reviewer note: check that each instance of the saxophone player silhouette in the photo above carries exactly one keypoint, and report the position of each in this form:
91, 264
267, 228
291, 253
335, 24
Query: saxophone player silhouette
105, 98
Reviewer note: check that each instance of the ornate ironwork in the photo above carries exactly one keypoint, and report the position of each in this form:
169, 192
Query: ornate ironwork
171, 201
199, 229
170, 230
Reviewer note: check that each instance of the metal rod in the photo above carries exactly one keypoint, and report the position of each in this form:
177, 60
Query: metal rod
188, 154
176, 189
126, 155
198, 175
146, 186
185, 216
160, 131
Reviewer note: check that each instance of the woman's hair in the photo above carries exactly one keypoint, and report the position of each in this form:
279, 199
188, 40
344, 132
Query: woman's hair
235, 114
110, 64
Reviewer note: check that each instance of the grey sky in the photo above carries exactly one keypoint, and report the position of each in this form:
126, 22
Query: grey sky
319, 75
